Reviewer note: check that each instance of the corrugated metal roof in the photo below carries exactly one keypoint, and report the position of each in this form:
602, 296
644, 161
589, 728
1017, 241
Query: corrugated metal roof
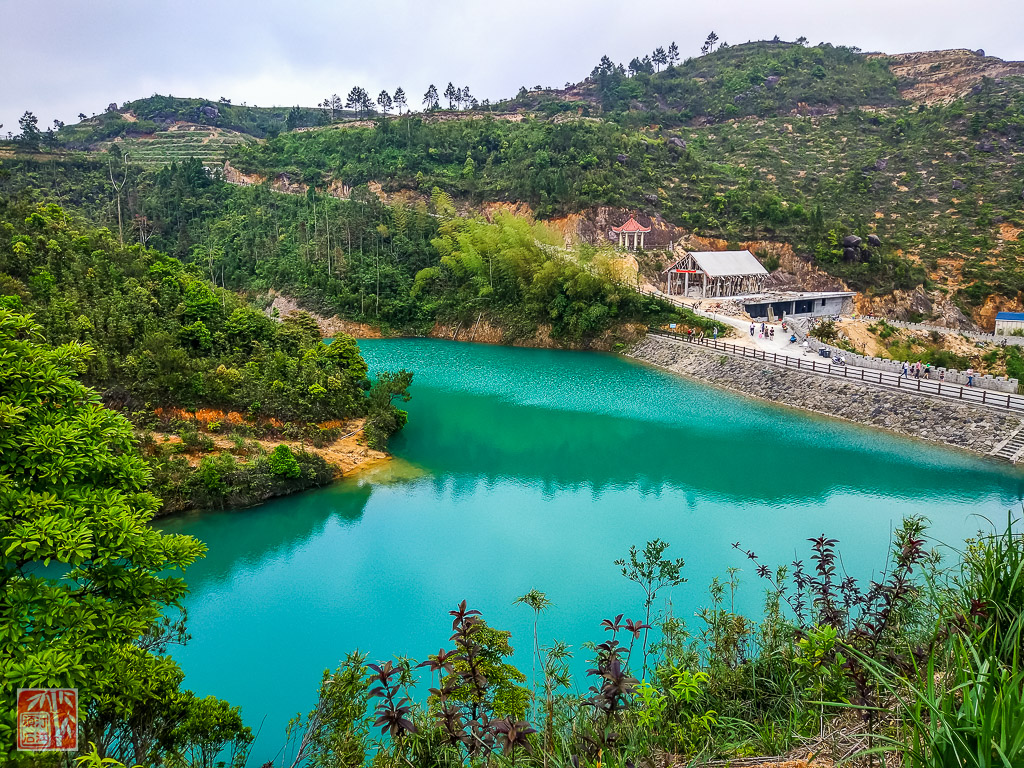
728, 263
1010, 316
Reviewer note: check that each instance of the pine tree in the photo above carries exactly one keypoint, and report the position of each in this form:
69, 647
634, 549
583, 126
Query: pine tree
29, 137
659, 57
430, 99
366, 102
709, 44
294, 118
673, 54
356, 99
384, 99
467, 97
399, 100
452, 95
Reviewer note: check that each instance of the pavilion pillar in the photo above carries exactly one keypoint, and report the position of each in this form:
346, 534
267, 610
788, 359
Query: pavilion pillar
686, 284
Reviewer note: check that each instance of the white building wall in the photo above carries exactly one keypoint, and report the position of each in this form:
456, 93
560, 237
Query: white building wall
1006, 327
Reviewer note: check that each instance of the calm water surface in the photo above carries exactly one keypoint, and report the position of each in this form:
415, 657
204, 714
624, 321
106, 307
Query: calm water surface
535, 468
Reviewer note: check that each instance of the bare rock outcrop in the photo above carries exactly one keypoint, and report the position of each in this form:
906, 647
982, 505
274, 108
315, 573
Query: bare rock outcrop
940, 77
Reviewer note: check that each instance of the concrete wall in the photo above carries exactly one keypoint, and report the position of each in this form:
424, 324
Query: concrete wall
945, 421
976, 335
952, 375
835, 305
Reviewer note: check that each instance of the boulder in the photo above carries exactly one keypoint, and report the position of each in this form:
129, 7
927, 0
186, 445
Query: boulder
980, 52
622, 158
112, 106
874, 241
772, 81
851, 241
652, 199
881, 164
211, 111
986, 146
957, 184
850, 254
675, 141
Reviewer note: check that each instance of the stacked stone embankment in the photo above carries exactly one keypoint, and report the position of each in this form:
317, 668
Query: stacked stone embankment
964, 426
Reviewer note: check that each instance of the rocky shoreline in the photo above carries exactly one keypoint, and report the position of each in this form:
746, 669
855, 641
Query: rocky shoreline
978, 430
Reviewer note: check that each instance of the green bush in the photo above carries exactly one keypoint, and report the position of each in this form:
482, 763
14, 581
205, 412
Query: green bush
283, 463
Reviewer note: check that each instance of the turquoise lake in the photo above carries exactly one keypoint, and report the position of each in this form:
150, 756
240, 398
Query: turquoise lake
535, 468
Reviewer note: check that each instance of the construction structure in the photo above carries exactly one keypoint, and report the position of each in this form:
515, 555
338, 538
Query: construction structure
710, 274
631, 227
779, 305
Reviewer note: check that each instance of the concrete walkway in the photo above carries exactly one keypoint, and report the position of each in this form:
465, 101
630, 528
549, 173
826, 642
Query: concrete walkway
780, 345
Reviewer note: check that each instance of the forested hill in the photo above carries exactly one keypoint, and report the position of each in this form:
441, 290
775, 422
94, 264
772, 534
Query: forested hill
772, 141
779, 141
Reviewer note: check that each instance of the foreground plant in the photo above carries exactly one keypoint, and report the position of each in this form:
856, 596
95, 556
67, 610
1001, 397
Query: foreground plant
85, 577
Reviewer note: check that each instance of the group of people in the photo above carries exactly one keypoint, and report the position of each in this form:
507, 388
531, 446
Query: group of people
918, 370
701, 334
765, 332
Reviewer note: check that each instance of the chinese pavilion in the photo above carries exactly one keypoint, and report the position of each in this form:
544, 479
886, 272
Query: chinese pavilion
631, 227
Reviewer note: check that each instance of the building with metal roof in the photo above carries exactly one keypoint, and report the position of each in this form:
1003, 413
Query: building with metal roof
715, 273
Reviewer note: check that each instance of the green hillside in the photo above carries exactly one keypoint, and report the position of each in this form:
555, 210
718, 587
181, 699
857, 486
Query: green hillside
760, 78
770, 140
159, 113
933, 183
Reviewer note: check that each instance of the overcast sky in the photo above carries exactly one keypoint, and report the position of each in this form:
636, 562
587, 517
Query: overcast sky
63, 57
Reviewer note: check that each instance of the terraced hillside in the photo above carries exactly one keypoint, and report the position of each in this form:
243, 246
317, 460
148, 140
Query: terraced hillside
180, 142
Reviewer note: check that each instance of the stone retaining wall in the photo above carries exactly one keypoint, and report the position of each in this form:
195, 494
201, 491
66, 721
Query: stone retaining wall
991, 338
975, 429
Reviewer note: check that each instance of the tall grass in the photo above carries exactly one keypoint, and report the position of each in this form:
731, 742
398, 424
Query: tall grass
962, 704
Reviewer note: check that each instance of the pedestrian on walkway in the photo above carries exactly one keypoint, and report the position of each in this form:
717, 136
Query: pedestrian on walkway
906, 369
928, 371
751, 330
773, 334
970, 377
716, 333
942, 375
917, 370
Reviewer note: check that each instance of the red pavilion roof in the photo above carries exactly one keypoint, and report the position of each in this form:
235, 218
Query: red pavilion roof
632, 225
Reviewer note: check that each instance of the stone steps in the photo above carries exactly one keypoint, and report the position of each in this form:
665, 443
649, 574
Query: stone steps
1012, 448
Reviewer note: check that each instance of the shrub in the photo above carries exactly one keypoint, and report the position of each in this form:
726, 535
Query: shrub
283, 462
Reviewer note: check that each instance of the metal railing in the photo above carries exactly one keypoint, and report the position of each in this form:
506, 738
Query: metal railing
884, 379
